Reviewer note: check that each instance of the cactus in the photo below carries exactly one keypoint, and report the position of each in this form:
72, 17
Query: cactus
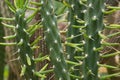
74, 14
2, 52
52, 37
24, 47
22, 38
84, 40
111, 32
94, 26
22, 34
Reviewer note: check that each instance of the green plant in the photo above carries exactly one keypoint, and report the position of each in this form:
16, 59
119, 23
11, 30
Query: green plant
2, 51
74, 33
94, 26
22, 37
52, 37
79, 57
24, 47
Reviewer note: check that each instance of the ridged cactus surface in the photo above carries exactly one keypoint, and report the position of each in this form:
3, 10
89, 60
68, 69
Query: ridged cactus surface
74, 35
24, 48
94, 26
74, 13
52, 37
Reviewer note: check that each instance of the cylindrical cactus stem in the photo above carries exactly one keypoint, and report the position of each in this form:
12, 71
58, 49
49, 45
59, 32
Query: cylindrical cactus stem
74, 13
94, 25
53, 42
24, 48
2, 52
22, 40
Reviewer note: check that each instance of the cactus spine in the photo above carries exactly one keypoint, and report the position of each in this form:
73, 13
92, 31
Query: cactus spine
94, 26
52, 37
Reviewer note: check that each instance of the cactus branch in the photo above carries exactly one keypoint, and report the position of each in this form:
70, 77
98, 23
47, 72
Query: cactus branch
94, 25
52, 37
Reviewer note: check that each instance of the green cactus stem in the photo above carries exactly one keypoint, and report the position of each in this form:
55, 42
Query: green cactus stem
52, 37
2, 52
74, 14
22, 40
94, 26
24, 48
